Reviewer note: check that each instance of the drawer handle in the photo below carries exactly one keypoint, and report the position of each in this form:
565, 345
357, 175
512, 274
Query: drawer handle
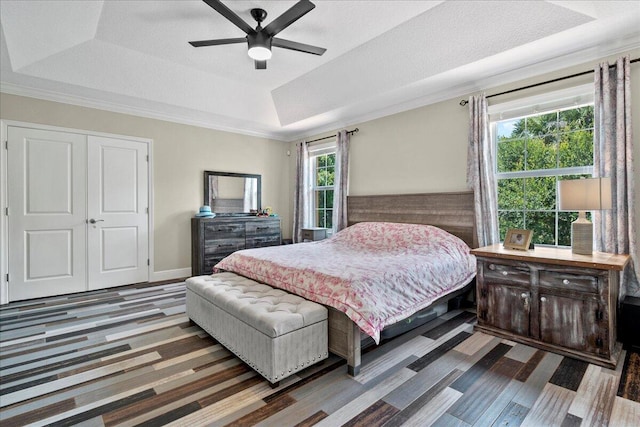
543, 299
492, 267
524, 295
262, 228
505, 273
225, 246
566, 282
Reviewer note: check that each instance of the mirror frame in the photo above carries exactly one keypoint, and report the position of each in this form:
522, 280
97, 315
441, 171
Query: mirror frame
208, 174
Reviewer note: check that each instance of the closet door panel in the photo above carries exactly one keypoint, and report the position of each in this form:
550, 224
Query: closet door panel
47, 212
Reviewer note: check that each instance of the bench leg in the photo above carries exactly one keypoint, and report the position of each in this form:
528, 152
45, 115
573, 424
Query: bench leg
275, 385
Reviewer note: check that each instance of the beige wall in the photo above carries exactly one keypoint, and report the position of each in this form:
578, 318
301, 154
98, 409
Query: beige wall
180, 155
425, 149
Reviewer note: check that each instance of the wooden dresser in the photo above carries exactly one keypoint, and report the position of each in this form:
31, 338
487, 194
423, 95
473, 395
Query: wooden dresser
214, 238
552, 299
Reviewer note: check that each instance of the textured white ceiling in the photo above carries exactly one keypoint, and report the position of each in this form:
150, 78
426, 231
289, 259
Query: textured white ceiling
382, 56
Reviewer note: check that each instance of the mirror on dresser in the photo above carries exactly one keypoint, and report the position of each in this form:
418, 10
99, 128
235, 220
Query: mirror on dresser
231, 193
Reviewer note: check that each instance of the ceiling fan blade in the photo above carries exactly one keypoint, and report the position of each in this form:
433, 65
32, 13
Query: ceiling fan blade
216, 42
261, 65
300, 47
229, 14
296, 12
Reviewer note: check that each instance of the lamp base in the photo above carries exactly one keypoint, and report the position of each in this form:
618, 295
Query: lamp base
582, 236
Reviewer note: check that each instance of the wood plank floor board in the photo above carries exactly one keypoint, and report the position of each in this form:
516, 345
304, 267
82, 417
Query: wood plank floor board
485, 390
495, 409
130, 356
410, 410
512, 415
569, 374
438, 352
551, 407
540, 376
467, 379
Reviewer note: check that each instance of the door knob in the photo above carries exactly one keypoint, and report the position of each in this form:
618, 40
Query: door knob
93, 221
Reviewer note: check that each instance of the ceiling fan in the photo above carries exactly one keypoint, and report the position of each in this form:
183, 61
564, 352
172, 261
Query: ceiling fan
261, 40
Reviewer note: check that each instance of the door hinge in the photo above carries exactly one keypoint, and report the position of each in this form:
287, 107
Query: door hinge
148, 261
599, 314
147, 210
6, 144
147, 157
6, 211
7, 277
599, 342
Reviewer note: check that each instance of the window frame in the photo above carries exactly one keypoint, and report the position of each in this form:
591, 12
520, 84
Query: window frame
566, 99
316, 151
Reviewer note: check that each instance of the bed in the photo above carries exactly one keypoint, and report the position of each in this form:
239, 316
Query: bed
372, 274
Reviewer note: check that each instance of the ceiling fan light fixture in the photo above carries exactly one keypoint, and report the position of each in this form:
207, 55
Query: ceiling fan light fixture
259, 53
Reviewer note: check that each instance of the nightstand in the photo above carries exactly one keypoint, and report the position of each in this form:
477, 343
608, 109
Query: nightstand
314, 233
552, 299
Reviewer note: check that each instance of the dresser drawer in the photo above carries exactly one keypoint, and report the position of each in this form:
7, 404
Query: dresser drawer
265, 227
495, 272
567, 281
263, 241
219, 231
222, 247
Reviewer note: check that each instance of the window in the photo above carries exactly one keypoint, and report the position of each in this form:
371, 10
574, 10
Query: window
534, 151
322, 166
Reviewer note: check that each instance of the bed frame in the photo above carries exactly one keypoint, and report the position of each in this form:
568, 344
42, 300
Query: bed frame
453, 212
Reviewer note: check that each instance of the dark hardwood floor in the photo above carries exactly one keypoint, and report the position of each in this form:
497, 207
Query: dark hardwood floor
130, 356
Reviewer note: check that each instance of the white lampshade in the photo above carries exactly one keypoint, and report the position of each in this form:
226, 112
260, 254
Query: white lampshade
584, 194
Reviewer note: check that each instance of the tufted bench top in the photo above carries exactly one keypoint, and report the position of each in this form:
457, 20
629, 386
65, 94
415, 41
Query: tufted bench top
272, 311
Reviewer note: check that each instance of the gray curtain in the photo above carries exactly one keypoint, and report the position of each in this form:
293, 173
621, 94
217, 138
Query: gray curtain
613, 157
341, 181
301, 192
480, 172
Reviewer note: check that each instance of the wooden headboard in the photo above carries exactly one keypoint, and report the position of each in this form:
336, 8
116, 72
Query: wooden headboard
453, 212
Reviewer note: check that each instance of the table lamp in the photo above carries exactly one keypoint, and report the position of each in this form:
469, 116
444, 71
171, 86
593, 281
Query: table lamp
583, 195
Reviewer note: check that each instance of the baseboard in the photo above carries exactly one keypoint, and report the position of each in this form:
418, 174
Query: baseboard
178, 273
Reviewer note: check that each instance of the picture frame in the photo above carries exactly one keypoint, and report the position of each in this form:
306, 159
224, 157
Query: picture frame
518, 239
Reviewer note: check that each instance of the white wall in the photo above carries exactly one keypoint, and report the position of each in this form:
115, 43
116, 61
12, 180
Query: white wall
180, 155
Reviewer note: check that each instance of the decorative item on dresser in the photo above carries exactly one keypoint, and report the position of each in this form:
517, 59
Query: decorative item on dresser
551, 298
212, 239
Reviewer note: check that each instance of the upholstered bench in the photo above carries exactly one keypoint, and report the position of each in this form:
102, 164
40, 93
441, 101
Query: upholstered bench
274, 332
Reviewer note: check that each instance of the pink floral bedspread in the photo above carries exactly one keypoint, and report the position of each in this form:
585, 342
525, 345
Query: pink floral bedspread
376, 273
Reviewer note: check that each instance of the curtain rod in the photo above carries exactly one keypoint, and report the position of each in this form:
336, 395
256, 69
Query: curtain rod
465, 101
350, 132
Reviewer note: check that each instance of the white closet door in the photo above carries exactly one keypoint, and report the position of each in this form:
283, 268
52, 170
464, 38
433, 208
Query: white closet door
47, 211
118, 239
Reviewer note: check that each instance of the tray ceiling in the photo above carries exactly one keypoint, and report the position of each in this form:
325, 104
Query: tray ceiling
382, 56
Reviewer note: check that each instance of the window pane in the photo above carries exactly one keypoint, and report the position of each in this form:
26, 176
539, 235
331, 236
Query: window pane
320, 199
331, 159
564, 227
576, 148
330, 174
328, 218
577, 118
322, 161
540, 193
511, 155
329, 198
511, 194
510, 129
509, 220
543, 225
542, 125
319, 218
541, 153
